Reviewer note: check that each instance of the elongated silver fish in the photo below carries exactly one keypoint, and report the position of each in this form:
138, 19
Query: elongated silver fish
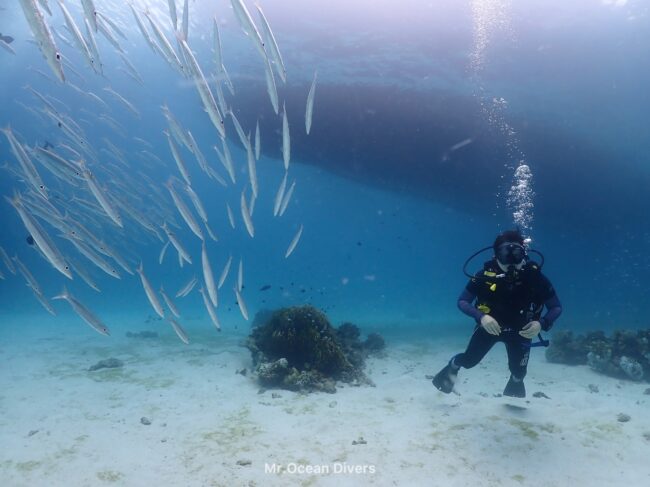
143, 29
172, 13
71, 171
170, 304
241, 304
90, 12
100, 195
286, 139
204, 90
309, 110
164, 44
271, 87
112, 24
293, 243
208, 277
200, 158
280, 194
240, 275
286, 199
42, 98
87, 315
92, 45
25, 162
98, 100
216, 176
196, 201
124, 101
115, 255
7, 261
187, 288
272, 45
251, 204
178, 158
252, 171
247, 24
77, 36
210, 308
60, 167
31, 280
87, 252
184, 211
240, 130
221, 100
106, 32
212, 235
179, 330
258, 145
151, 294
45, 303
246, 216
41, 238
43, 37
231, 217
216, 38
227, 160
176, 243
224, 272
177, 131
78, 268
135, 74
161, 257
186, 19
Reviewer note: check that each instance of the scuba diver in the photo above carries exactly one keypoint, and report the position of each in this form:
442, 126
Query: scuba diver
509, 295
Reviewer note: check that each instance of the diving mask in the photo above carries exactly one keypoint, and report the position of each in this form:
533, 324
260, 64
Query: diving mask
511, 254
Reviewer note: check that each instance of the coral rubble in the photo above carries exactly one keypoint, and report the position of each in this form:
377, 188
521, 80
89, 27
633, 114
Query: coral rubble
626, 354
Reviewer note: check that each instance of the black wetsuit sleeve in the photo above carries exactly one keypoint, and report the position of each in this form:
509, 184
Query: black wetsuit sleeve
465, 301
553, 312
551, 302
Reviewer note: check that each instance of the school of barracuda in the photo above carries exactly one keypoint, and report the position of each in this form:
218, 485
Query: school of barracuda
102, 187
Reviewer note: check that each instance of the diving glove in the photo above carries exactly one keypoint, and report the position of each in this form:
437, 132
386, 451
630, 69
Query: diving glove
490, 325
531, 330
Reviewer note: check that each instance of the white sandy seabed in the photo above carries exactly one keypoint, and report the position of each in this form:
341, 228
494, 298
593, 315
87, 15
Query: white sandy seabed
61, 425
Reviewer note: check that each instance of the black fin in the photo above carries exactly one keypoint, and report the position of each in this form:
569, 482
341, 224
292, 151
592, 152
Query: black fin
445, 379
515, 388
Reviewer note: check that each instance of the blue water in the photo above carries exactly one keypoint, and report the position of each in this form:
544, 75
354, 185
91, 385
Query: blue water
383, 244
426, 116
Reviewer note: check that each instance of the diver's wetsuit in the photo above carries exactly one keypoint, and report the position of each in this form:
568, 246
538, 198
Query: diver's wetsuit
513, 303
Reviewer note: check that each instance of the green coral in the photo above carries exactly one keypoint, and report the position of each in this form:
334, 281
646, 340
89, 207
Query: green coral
298, 349
304, 336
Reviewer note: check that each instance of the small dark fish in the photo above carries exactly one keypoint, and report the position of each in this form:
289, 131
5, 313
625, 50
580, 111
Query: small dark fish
47, 145
266, 287
7, 39
30, 240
